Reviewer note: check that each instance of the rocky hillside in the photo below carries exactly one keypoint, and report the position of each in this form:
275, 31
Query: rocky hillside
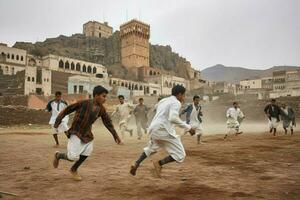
105, 51
235, 74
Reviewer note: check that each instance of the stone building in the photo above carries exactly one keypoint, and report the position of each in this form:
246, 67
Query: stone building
97, 29
251, 84
135, 44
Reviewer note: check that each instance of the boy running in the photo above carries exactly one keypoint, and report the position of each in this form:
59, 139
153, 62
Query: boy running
163, 134
124, 110
193, 117
80, 143
273, 111
140, 112
234, 119
55, 106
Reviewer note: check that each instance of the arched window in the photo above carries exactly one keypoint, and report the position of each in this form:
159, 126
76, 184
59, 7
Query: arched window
8, 56
141, 87
94, 70
150, 73
3, 54
72, 66
12, 70
166, 84
122, 84
136, 87
17, 57
12, 56
32, 79
84, 68
67, 65
28, 79
22, 58
78, 68
61, 64
154, 73
89, 70
6, 69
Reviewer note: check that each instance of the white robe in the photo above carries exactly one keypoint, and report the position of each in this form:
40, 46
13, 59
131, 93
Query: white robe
233, 115
162, 129
194, 121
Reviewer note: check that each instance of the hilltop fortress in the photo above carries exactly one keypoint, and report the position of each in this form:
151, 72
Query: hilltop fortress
24, 70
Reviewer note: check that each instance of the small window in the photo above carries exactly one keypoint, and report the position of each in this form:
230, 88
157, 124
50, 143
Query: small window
75, 89
32, 79
8, 56
17, 57
61, 64
28, 79
22, 58
80, 89
12, 56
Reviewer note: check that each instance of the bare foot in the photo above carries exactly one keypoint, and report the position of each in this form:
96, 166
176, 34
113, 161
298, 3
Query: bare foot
157, 169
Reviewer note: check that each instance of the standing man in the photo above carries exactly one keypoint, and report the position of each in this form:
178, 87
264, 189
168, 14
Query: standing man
80, 144
272, 111
193, 117
55, 106
163, 133
234, 118
288, 118
124, 110
140, 112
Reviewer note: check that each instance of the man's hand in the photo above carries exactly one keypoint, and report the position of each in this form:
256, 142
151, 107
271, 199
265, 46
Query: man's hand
192, 131
118, 140
56, 125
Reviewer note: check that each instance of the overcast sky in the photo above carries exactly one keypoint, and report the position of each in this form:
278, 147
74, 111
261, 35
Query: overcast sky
245, 33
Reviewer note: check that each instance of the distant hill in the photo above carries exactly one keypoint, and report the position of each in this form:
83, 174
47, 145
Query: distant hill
235, 74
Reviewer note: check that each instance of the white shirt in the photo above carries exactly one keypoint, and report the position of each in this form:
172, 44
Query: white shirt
194, 115
124, 110
55, 108
167, 116
234, 113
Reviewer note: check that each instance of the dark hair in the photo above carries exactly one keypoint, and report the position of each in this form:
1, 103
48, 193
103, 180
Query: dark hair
121, 96
273, 100
196, 97
58, 93
99, 90
140, 99
178, 89
235, 102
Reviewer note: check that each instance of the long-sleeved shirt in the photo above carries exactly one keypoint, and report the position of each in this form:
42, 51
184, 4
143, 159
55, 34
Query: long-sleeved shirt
140, 112
84, 117
189, 109
273, 111
234, 113
167, 116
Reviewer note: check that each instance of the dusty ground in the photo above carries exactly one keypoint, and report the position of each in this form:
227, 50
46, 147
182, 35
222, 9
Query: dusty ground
252, 166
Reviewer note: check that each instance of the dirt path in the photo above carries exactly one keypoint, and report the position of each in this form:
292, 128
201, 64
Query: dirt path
247, 167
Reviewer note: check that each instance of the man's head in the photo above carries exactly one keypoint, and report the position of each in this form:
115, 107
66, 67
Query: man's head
196, 100
141, 101
273, 101
121, 99
235, 105
57, 96
100, 94
179, 92
158, 99
283, 105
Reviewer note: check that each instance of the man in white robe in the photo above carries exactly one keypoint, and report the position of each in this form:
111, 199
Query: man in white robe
124, 110
163, 134
234, 118
55, 106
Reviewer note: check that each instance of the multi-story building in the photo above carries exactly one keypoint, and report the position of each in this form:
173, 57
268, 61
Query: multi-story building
97, 29
251, 84
293, 82
279, 83
135, 44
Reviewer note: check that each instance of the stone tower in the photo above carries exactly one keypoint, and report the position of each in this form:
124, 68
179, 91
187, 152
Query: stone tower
135, 44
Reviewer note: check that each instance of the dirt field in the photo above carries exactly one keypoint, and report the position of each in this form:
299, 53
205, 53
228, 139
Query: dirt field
251, 166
